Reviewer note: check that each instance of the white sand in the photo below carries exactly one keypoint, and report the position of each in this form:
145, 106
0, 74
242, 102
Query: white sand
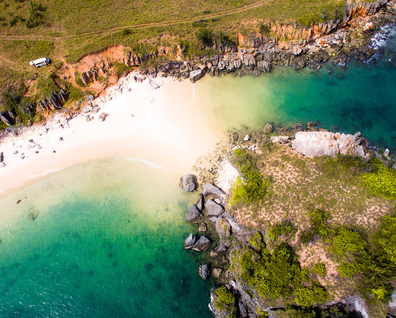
167, 129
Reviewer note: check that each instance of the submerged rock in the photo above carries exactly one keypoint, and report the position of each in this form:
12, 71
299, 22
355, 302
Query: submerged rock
213, 208
268, 128
192, 214
188, 182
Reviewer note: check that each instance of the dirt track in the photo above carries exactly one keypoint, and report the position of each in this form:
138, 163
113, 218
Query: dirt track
35, 37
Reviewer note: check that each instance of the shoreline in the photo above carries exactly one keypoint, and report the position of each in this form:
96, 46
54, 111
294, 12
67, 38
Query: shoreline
164, 130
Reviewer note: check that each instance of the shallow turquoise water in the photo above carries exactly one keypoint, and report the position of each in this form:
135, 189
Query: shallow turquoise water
112, 248
359, 98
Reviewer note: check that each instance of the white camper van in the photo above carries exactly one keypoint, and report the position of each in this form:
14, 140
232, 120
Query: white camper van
40, 62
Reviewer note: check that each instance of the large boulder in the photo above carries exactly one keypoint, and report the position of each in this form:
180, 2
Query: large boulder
202, 244
209, 188
324, 143
192, 214
190, 241
213, 208
204, 271
188, 182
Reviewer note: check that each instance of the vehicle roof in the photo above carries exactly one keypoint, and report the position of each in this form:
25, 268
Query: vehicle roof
43, 59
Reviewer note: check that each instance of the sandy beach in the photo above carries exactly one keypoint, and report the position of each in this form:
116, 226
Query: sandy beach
163, 126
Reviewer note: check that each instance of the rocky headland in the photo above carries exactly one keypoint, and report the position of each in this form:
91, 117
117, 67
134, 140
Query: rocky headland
232, 227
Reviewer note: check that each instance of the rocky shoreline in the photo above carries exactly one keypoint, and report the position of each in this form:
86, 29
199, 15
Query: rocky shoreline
336, 42
215, 178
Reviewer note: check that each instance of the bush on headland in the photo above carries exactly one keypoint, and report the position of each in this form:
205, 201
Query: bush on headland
252, 186
381, 181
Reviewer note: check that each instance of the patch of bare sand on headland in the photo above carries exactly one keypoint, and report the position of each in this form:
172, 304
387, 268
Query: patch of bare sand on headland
167, 128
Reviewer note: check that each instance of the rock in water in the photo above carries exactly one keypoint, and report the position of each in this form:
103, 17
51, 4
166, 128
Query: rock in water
192, 214
204, 271
213, 208
190, 241
201, 245
209, 188
268, 128
323, 143
188, 182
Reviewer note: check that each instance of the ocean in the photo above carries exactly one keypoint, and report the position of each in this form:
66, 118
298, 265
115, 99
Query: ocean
105, 238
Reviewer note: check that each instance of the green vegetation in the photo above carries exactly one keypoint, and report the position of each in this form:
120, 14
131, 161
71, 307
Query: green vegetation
381, 181
224, 298
121, 69
252, 187
320, 269
278, 274
13, 99
385, 240
328, 212
284, 228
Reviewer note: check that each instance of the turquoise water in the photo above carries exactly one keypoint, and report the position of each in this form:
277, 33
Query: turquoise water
358, 98
107, 242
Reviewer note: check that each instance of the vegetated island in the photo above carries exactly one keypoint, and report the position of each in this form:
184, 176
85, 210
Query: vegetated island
301, 225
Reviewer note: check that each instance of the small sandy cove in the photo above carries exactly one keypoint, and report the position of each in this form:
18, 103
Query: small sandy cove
162, 125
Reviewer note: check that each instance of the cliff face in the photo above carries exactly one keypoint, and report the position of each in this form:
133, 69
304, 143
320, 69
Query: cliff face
293, 32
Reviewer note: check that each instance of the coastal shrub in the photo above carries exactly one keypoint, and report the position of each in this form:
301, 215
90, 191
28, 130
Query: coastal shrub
205, 36
224, 298
278, 274
381, 181
121, 69
320, 269
385, 240
309, 296
380, 293
265, 29
251, 186
318, 219
279, 229
306, 237
355, 164
74, 93
350, 269
347, 241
